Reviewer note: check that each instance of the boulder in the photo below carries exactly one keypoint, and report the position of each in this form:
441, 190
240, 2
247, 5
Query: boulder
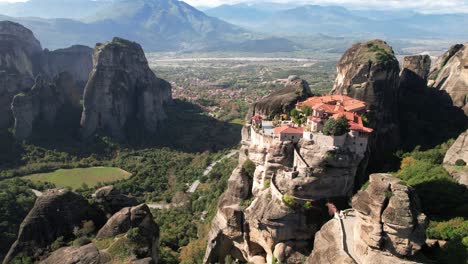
282, 100
55, 214
134, 217
389, 218
111, 200
87, 254
123, 96
458, 151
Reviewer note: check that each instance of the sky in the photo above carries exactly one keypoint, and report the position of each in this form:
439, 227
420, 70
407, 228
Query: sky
427, 6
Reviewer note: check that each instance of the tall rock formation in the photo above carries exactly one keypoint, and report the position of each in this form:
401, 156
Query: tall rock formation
451, 75
20, 53
387, 224
41, 107
274, 211
282, 100
427, 116
22, 60
369, 71
130, 234
122, 93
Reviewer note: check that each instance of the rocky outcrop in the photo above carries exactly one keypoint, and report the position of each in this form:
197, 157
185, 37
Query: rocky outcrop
44, 104
275, 212
452, 75
389, 218
387, 226
87, 254
442, 60
20, 54
130, 235
282, 100
369, 71
458, 152
111, 200
55, 214
122, 94
418, 64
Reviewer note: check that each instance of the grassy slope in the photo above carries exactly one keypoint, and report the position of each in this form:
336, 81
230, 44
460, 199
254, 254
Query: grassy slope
75, 178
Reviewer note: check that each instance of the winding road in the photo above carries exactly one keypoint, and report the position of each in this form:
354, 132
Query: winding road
195, 184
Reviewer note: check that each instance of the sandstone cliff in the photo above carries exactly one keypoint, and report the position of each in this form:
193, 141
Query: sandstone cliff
386, 224
282, 100
41, 107
122, 94
452, 75
130, 235
369, 71
458, 152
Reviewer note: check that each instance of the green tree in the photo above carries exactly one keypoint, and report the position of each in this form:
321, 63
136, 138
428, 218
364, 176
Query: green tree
336, 127
249, 168
306, 110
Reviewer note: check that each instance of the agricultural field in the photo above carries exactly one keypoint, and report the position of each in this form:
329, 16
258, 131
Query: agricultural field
79, 177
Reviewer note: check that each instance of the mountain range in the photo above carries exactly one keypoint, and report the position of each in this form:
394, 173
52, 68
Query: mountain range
337, 20
159, 25
172, 25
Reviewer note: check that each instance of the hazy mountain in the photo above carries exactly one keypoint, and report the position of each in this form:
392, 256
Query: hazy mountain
159, 25
336, 20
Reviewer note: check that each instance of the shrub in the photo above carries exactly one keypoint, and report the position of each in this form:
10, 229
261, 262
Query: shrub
58, 243
336, 127
81, 241
266, 184
289, 200
456, 228
134, 234
249, 168
87, 229
306, 110
307, 205
460, 162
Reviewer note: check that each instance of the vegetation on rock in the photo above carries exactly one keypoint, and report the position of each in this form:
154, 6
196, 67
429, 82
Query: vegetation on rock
336, 127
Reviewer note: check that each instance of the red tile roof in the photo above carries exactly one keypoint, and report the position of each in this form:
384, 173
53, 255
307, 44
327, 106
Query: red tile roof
350, 104
289, 130
355, 122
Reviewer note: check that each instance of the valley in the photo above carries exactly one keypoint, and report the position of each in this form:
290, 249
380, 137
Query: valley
157, 132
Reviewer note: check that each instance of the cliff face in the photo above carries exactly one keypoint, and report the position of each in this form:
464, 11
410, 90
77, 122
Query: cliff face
59, 213
76, 60
20, 53
275, 212
44, 104
386, 224
452, 75
122, 92
22, 60
282, 100
369, 71
427, 116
